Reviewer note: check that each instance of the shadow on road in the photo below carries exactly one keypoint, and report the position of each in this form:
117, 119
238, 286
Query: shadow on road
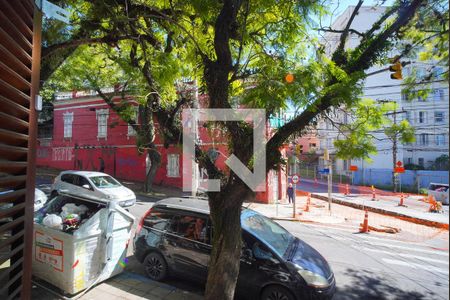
373, 286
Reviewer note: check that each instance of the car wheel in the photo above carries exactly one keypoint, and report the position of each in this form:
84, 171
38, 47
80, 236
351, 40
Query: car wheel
276, 293
155, 266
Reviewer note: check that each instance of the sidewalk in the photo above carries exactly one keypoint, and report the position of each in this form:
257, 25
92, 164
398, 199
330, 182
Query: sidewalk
124, 286
415, 211
347, 218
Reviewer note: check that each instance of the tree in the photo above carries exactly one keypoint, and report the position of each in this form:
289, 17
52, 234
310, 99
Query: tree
441, 163
245, 49
133, 56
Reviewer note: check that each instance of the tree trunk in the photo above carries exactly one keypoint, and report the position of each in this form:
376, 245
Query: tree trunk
225, 256
224, 263
155, 160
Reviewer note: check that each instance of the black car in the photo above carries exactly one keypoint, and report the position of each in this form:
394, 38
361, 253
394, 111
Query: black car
174, 238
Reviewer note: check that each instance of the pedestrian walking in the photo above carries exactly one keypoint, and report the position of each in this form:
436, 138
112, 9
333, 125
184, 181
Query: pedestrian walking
290, 193
102, 165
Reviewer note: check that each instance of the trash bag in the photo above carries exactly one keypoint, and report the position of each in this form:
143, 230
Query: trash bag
53, 221
73, 209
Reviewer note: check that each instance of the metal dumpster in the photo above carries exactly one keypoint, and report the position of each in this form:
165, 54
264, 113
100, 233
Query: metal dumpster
95, 251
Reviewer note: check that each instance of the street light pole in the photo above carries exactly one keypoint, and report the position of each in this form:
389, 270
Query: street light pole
330, 183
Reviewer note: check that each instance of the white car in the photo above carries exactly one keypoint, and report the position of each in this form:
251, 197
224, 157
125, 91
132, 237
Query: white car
93, 185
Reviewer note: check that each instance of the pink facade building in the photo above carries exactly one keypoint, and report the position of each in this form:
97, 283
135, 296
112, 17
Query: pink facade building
86, 130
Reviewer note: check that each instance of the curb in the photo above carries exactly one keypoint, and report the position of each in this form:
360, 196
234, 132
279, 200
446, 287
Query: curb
386, 212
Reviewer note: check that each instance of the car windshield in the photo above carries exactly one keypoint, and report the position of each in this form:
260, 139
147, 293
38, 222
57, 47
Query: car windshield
275, 236
104, 182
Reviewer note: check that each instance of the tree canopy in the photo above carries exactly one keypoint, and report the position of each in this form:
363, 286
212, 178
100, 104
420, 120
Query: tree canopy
240, 51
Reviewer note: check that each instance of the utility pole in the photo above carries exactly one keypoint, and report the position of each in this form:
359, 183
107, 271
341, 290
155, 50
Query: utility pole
394, 139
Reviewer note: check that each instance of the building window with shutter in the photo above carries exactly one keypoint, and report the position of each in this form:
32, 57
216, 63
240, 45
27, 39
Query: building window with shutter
439, 117
422, 117
423, 139
135, 118
173, 165
102, 122
68, 121
440, 139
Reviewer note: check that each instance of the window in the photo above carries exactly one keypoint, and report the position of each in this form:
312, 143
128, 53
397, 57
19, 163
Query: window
157, 220
438, 95
438, 72
190, 227
404, 96
423, 139
422, 116
69, 178
409, 160
439, 117
173, 165
440, 139
102, 122
68, 120
421, 162
104, 182
131, 131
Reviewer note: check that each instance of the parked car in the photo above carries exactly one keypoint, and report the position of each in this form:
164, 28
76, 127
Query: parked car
95, 185
174, 237
40, 198
439, 191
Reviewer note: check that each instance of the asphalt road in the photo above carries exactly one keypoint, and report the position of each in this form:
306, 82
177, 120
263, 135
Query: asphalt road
371, 266
366, 266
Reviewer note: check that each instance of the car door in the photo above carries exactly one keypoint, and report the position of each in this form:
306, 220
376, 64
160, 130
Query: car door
259, 266
83, 185
188, 245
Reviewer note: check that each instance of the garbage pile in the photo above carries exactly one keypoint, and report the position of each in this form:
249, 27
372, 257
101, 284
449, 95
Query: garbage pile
68, 218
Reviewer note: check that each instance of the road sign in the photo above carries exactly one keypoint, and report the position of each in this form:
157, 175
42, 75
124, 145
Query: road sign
353, 168
295, 178
399, 164
324, 171
399, 170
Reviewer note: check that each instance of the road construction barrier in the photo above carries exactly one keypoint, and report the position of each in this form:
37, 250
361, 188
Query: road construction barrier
435, 206
308, 202
374, 197
365, 225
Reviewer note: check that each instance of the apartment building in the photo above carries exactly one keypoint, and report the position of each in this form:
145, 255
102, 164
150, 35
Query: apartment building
428, 115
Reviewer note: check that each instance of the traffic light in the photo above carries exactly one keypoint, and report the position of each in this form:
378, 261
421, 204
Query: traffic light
397, 69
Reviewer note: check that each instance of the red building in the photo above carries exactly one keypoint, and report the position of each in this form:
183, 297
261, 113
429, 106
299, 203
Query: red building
85, 129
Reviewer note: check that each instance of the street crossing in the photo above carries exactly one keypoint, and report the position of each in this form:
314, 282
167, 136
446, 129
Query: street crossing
403, 266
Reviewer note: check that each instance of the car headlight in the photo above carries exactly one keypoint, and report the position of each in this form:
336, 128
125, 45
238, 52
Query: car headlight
313, 279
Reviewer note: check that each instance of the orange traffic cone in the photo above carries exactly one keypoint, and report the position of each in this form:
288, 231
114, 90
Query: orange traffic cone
365, 226
401, 200
308, 201
374, 197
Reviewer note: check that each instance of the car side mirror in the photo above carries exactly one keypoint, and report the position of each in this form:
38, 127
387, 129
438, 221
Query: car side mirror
86, 186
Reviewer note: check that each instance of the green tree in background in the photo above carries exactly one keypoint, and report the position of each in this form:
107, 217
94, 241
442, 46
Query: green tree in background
240, 51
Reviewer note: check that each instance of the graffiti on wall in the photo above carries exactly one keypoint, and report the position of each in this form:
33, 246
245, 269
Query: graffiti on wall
42, 152
62, 154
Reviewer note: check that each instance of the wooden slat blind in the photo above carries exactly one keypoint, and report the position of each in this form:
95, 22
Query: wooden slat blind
20, 30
